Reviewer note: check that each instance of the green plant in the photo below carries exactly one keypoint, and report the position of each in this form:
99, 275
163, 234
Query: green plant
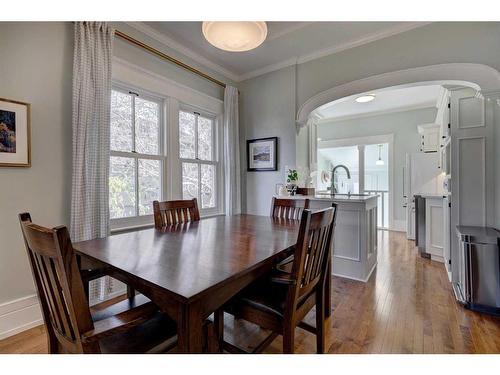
292, 176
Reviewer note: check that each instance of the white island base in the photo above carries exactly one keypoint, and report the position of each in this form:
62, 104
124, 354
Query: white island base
355, 240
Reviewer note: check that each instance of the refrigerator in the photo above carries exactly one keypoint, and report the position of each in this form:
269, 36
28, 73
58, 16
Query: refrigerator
421, 176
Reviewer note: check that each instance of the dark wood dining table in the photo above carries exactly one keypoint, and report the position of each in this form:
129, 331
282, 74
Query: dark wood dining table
191, 270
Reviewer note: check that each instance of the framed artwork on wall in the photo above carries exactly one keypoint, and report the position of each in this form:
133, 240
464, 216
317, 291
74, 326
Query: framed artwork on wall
15, 133
262, 154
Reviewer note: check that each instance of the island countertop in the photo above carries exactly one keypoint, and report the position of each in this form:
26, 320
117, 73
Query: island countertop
332, 198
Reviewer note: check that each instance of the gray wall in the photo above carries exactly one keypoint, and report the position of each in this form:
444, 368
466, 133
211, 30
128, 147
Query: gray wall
406, 139
36, 67
267, 110
432, 44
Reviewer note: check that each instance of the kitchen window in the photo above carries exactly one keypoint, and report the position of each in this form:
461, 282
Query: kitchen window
137, 157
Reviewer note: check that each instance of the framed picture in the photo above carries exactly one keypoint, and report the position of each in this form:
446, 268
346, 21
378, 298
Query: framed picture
15, 147
262, 154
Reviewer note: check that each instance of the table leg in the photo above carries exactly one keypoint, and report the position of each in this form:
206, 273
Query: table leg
189, 330
328, 290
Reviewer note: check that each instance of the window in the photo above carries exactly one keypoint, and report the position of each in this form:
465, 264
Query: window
197, 152
137, 156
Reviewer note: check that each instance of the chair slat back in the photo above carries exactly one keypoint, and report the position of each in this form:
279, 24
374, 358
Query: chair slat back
282, 208
57, 277
175, 212
312, 251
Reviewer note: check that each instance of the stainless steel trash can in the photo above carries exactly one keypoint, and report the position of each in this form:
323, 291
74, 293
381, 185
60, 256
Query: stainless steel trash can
478, 286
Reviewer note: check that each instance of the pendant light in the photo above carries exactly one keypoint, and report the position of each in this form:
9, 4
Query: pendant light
235, 36
379, 161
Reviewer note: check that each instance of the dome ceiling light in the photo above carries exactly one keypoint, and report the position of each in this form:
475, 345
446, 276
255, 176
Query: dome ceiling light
235, 36
365, 98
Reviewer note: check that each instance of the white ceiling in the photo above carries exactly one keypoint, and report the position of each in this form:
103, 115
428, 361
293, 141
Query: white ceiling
386, 100
287, 43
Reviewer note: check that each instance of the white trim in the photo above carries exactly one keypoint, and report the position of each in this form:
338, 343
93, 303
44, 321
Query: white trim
357, 278
477, 76
171, 43
19, 315
332, 50
382, 112
126, 73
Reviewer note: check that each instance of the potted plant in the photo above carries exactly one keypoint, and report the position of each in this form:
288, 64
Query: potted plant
292, 178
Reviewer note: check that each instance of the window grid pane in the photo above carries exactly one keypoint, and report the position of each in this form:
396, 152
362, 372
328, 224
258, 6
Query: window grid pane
205, 141
190, 181
121, 121
122, 202
208, 195
147, 127
187, 140
149, 185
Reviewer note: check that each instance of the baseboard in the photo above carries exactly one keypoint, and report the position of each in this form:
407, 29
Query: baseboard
398, 226
357, 278
19, 315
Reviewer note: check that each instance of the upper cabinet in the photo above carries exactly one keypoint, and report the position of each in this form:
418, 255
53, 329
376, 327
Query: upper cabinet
430, 135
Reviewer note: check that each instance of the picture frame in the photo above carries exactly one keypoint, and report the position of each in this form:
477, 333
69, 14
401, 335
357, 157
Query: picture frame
15, 133
262, 154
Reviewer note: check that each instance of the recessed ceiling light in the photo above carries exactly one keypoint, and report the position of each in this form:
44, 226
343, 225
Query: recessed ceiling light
235, 36
365, 98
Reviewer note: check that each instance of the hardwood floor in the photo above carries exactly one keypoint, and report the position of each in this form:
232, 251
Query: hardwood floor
407, 306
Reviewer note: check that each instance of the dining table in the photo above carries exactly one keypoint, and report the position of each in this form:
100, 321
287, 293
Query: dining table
192, 269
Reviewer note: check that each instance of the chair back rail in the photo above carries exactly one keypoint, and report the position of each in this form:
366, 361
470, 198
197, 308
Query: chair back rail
282, 208
175, 212
312, 252
60, 289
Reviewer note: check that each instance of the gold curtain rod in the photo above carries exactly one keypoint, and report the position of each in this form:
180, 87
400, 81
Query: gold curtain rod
164, 56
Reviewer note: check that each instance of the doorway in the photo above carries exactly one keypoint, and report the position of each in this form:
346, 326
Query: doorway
369, 161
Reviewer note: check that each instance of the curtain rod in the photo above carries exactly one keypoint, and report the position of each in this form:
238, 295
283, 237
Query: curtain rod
164, 56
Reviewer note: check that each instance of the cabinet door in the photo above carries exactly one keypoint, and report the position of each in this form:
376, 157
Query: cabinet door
434, 228
431, 140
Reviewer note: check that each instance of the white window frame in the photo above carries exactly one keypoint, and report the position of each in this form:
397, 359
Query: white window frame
141, 220
216, 156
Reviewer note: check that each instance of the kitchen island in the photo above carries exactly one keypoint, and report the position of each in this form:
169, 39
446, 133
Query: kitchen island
355, 240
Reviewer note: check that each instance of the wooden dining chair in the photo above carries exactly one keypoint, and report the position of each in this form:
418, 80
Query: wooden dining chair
131, 326
175, 212
280, 300
283, 208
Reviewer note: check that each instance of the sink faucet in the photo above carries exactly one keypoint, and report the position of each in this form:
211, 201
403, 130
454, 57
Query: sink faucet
333, 187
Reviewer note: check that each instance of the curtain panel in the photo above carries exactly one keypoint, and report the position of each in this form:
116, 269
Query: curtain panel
92, 63
232, 152
91, 130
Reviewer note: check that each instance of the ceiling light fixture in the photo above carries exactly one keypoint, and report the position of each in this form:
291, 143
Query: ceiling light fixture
235, 36
365, 98
379, 161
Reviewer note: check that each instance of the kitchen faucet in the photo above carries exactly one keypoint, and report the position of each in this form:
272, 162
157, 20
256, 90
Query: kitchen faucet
333, 187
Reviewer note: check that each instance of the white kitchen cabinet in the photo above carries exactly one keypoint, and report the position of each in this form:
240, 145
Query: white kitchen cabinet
430, 134
434, 220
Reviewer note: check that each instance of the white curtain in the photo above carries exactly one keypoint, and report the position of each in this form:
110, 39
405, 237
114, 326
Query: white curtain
91, 116
92, 61
232, 152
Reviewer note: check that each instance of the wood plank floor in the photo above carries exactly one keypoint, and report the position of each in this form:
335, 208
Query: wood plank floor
407, 306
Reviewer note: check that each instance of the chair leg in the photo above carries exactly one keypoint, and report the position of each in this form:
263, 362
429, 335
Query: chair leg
130, 292
320, 321
288, 340
219, 329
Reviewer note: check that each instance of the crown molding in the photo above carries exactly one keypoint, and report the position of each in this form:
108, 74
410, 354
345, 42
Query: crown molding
332, 50
171, 43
